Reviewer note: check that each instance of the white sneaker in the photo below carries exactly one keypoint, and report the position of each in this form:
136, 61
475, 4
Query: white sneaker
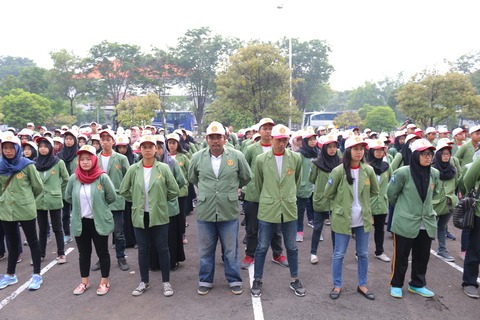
321, 238
299, 236
167, 289
383, 257
313, 258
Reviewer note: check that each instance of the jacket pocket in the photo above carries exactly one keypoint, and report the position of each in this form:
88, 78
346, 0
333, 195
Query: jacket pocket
201, 198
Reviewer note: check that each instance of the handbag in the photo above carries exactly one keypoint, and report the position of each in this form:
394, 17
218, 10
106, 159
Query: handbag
464, 211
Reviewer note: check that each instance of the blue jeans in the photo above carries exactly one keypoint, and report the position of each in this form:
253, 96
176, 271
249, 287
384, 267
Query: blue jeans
208, 235
158, 236
361, 247
119, 234
318, 221
302, 205
442, 222
265, 233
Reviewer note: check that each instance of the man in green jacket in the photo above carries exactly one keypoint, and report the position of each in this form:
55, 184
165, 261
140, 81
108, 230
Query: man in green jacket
277, 177
218, 173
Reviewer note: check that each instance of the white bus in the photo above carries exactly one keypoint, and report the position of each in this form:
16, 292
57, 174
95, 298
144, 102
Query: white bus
322, 118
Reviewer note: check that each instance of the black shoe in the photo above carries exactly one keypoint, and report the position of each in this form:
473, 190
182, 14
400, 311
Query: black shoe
203, 290
256, 290
450, 236
122, 263
96, 266
298, 288
367, 294
334, 294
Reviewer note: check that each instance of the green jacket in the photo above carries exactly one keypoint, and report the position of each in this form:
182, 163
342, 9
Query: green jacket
161, 189
397, 162
217, 198
117, 168
102, 193
278, 195
380, 202
471, 179
410, 212
17, 201
183, 162
340, 192
251, 153
305, 189
319, 178
54, 183
173, 207
465, 153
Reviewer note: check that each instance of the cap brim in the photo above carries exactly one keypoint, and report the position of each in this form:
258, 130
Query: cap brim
283, 136
425, 148
84, 151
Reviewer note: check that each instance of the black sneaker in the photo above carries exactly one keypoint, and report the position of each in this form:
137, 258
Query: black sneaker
122, 263
202, 290
237, 289
298, 288
256, 290
96, 266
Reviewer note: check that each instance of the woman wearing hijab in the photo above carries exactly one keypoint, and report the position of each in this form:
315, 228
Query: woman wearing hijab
30, 150
90, 191
446, 199
350, 187
414, 225
376, 158
20, 184
322, 166
308, 152
402, 158
55, 176
69, 156
398, 143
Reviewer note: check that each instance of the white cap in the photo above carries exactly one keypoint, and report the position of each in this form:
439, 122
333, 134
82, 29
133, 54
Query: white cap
8, 136
122, 140
321, 128
71, 132
367, 130
411, 126
430, 130
410, 137
107, 132
148, 138
30, 124
473, 129
95, 136
353, 141
280, 131
331, 126
160, 138
64, 128
308, 133
265, 121
58, 139
215, 128
40, 139
87, 148
31, 144
443, 130
421, 144
445, 140
173, 136
457, 131
255, 136
443, 144
329, 138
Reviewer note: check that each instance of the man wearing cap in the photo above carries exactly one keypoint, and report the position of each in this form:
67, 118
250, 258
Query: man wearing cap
134, 134
443, 133
116, 166
277, 177
458, 136
252, 198
218, 173
431, 135
466, 151
411, 128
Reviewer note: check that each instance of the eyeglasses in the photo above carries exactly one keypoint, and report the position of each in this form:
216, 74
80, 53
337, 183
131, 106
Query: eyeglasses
426, 154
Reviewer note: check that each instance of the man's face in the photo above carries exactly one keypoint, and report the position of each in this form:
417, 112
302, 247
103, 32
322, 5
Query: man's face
266, 131
216, 143
106, 142
475, 136
279, 145
133, 133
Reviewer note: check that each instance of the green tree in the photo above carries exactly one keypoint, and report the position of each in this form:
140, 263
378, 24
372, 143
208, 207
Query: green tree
381, 119
348, 119
434, 98
256, 83
363, 111
12, 66
137, 110
369, 94
198, 56
116, 67
20, 107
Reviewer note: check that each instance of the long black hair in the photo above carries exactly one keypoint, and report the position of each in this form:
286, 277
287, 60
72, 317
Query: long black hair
347, 164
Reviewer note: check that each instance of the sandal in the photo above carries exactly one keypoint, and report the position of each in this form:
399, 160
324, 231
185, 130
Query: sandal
81, 288
103, 289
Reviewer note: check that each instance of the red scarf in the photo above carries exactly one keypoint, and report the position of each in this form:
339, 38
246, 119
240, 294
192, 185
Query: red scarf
87, 177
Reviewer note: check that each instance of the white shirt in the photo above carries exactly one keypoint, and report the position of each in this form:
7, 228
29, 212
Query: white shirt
86, 206
147, 173
357, 217
279, 160
105, 160
266, 148
216, 163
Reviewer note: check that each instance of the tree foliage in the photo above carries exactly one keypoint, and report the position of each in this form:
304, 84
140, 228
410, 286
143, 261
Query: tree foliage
381, 119
348, 119
12, 66
435, 97
137, 110
20, 107
256, 83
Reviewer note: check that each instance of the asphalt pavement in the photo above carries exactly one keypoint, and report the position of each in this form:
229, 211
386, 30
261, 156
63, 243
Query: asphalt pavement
55, 299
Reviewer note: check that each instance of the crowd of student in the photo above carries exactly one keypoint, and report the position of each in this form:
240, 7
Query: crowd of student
140, 184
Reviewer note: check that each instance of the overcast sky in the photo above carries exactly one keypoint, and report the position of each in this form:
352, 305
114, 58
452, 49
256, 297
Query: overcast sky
369, 39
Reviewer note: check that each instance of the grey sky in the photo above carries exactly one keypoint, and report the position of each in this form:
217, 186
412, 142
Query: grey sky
370, 39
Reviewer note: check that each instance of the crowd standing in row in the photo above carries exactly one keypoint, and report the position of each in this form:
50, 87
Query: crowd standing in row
139, 185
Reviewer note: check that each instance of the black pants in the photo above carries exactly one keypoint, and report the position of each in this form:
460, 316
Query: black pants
251, 221
67, 207
84, 244
472, 257
379, 233
128, 226
11, 233
420, 248
42, 219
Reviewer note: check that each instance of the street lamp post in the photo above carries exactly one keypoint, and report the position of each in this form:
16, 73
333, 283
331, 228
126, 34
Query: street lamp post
72, 92
290, 71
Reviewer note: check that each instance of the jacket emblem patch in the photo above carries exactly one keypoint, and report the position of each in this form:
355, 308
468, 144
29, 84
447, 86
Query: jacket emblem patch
99, 187
20, 176
229, 162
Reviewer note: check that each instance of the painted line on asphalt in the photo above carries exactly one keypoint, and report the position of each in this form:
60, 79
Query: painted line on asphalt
452, 264
256, 302
24, 286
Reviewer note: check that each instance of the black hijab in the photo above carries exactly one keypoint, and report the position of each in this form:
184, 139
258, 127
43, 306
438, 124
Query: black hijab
325, 162
379, 166
407, 152
397, 144
420, 175
307, 151
130, 156
67, 154
447, 170
45, 163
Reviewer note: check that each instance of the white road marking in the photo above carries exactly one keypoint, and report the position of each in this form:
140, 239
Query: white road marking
256, 302
24, 286
452, 264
